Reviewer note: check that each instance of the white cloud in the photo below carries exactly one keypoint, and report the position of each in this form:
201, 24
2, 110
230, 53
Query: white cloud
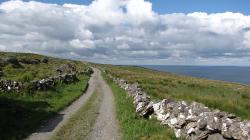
246, 41
124, 31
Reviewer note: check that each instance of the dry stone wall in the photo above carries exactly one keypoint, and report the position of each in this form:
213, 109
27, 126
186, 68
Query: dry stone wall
10, 86
51, 82
192, 121
43, 84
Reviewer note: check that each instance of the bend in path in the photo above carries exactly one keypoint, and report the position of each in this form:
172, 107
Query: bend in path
46, 131
106, 126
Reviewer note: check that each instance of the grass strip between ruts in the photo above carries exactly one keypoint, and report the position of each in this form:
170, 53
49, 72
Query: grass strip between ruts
81, 123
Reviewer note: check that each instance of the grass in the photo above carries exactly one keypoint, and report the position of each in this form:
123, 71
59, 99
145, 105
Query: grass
22, 114
230, 97
81, 123
29, 72
132, 126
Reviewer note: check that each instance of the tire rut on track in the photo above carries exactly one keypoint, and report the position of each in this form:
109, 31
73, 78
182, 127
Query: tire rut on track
49, 127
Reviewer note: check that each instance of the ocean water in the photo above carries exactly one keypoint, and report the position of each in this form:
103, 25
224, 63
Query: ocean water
225, 73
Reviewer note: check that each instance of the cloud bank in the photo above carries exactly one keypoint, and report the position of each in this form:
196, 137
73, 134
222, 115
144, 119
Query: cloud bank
124, 32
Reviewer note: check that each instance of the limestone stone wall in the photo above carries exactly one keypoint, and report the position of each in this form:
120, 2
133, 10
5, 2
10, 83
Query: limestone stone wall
192, 121
43, 84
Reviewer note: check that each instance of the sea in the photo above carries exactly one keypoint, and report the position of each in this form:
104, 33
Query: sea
236, 74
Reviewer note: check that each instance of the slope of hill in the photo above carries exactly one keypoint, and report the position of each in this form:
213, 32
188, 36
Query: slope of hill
27, 66
230, 97
22, 111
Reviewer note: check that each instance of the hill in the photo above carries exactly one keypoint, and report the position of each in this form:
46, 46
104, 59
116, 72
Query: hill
35, 87
28, 66
230, 97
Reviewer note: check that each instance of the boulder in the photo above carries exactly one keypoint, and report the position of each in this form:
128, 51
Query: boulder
201, 135
2, 62
66, 68
70, 78
1, 73
29, 61
45, 60
13, 61
88, 71
215, 136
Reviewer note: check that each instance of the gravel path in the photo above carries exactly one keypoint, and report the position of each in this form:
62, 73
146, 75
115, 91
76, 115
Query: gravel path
52, 125
106, 126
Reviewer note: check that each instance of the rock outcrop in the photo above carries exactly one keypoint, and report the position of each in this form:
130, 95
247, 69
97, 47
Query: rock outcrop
30, 61
66, 68
87, 71
1, 71
44, 60
192, 121
12, 61
16, 63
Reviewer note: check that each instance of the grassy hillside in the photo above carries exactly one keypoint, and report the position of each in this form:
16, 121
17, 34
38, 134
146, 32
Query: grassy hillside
28, 72
230, 97
21, 113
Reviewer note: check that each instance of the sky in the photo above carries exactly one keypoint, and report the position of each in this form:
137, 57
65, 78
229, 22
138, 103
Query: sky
162, 32
180, 6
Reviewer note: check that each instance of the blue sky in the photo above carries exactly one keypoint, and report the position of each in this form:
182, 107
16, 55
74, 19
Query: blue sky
183, 6
208, 6
146, 32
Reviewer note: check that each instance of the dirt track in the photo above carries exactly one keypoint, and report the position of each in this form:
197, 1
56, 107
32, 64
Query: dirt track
106, 126
45, 131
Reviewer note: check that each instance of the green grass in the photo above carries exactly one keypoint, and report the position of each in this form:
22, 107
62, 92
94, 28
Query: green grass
132, 126
81, 123
20, 114
230, 97
30, 72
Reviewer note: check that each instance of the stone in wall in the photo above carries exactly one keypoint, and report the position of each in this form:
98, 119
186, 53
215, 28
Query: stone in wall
10, 86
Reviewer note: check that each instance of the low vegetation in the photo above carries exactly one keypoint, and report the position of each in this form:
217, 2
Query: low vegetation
81, 123
132, 126
230, 97
23, 112
29, 72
